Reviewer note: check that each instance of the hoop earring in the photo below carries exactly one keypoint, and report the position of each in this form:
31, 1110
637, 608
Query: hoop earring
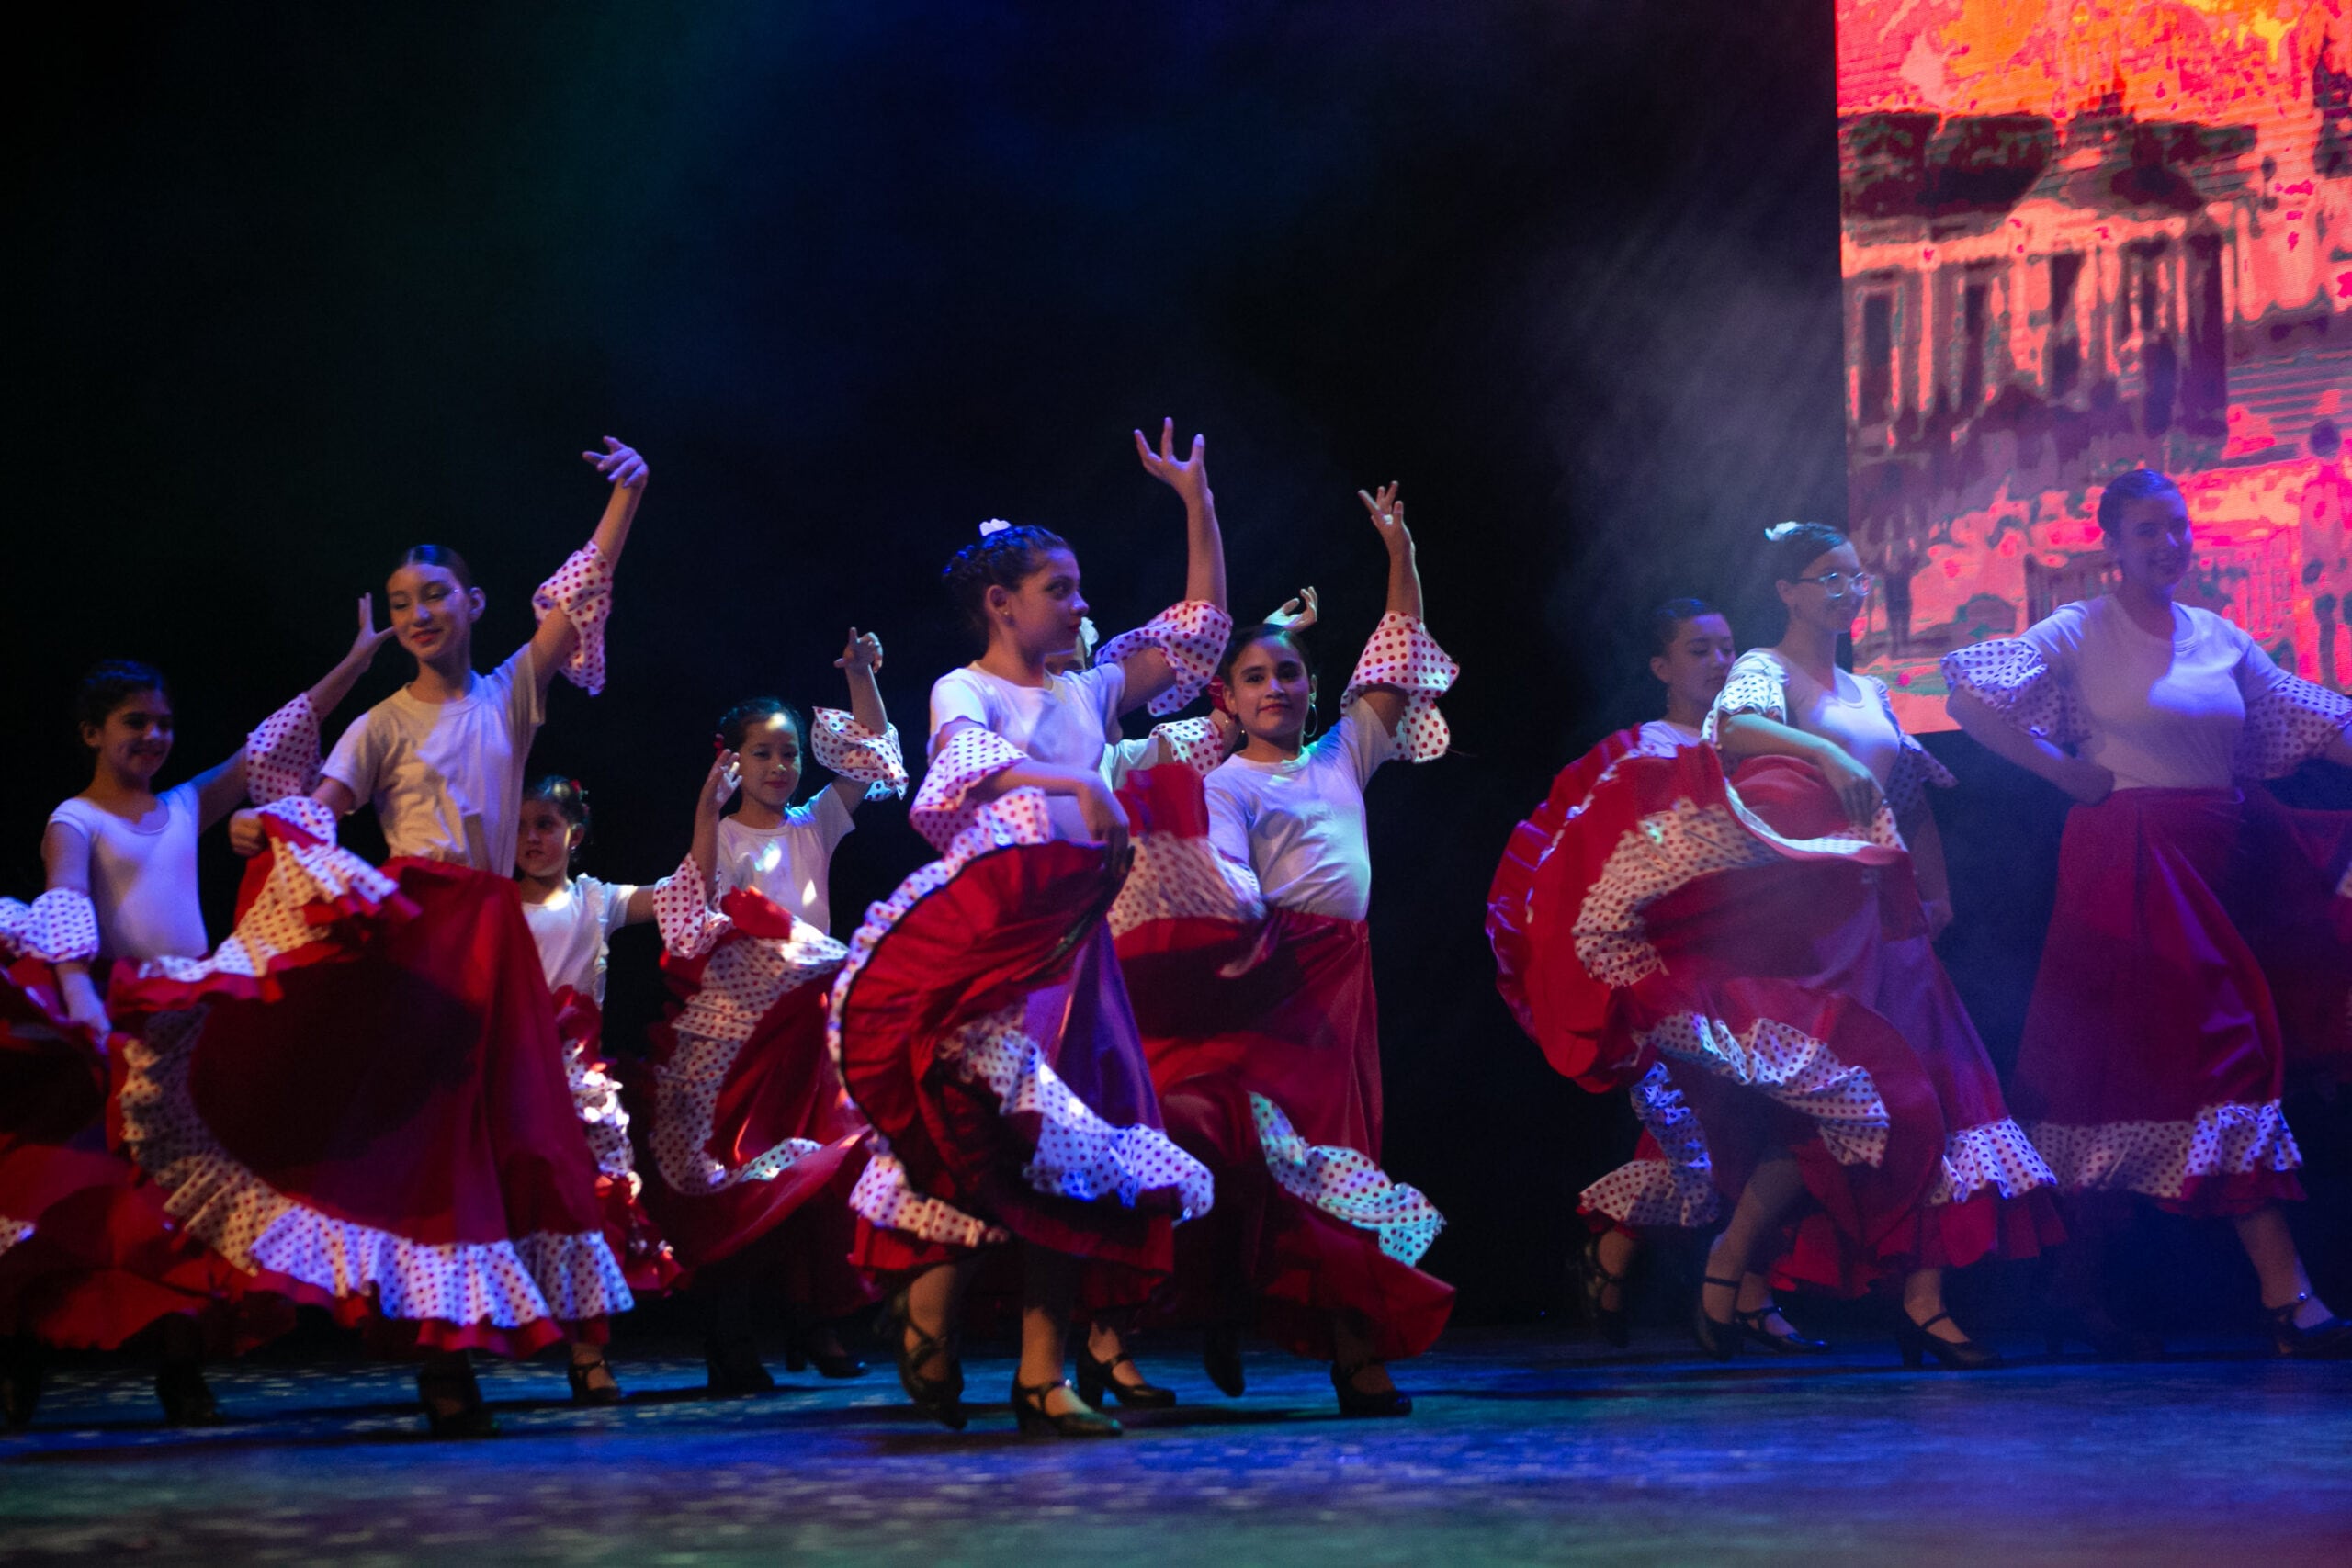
1306, 731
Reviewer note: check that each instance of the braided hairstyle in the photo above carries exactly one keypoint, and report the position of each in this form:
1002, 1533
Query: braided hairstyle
2121, 491
1000, 557
570, 799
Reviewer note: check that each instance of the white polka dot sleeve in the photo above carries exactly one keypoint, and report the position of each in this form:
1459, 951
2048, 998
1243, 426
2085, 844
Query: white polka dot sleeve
2011, 676
1404, 656
849, 749
1916, 767
282, 756
1193, 742
689, 926
1192, 634
59, 927
583, 589
2288, 720
1756, 685
944, 807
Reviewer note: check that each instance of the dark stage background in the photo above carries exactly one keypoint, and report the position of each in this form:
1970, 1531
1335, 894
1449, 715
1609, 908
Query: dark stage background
291, 290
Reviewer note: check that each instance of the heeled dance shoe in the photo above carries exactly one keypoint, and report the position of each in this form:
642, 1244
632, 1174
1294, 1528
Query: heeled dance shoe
589, 1394
1354, 1401
940, 1398
1753, 1332
1613, 1323
1221, 1359
443, 1383
1955, 1355
185, 1397
1718, 1339
2327, 1341
733, 1367
802, 1351
1029, 1410
1094, 1378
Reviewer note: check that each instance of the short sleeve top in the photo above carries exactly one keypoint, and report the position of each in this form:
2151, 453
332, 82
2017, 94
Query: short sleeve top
572, 929
1065, 721
446, 778
142, 879
791, 862
1299, 824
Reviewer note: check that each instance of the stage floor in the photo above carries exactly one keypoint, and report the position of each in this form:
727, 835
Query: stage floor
1527, 1447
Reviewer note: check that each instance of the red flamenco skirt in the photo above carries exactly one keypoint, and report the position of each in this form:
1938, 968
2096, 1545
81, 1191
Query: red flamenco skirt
752, 1144
646, 1259
87, 1256
1263, 1037
372, 1112
2153, 1061
982, 1027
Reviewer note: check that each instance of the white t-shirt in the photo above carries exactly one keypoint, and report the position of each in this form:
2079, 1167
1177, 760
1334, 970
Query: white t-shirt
1665, 735
788, 863
2163, 712
1854, 714
446, 778
1064, 721
572, 929
142, 881
1299, 824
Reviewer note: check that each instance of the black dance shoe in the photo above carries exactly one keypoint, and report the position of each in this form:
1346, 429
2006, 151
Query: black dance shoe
942, 1398
733, 1367
1613, 1323
1956, 1355
187, 1400
1095, 1377
23, 1363
803, 1351
452, 1399
589, 1394
1221, 1358
1718, 1339
2327, 1341
1029, 1410
1354, 1401
1753, 1332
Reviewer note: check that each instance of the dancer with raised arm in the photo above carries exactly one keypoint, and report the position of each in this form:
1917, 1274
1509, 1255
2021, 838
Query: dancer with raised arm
1259, 1016
1670, 1182
755, 1146
89, 1257
2154, 1061
981, 1023
362, 1089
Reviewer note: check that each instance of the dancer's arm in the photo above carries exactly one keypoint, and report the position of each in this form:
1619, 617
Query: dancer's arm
718, 787
1098, 804
219, 789
1389, 704
1753, 735
624, 471
65, 859
860, 662
2085, 781
1147, 671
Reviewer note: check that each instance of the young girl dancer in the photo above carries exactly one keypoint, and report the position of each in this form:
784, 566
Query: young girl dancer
571, 920
2153, 1061
981, 1023
1670, 1182
425, 1175
1264, 1046
87, 1256
755, 1146
1991, 1195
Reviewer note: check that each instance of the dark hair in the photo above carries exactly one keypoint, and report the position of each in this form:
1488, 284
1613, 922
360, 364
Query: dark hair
737, 722
1667, 618
999, 560
1264, 631
2124, 488
109, 683
441, 556
570, 797
1789, 548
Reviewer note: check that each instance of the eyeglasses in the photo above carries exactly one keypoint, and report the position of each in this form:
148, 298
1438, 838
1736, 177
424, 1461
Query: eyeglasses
1836, 582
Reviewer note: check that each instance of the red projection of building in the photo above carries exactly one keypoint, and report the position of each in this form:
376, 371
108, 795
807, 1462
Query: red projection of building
2080, 238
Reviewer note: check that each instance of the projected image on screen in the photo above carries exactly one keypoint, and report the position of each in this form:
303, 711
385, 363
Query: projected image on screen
2077, 239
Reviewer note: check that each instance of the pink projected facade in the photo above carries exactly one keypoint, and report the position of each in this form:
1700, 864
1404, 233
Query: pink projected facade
2080, 238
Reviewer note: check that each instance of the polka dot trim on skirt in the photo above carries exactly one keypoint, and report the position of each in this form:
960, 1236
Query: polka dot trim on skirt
1345, 1184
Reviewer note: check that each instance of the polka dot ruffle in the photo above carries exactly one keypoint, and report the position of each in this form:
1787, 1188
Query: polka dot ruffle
228, 1208
885, 1199
282, 754
1665, 850
2011, 678
2286, 725
1191, 635
1179, 877
942, 808
1192, 743
1791, 1068
1995, 1154
1346, 1185
853, 752
1678, 1190
1404, 656
2160, 1158
13, 1231
583, 589
59, 927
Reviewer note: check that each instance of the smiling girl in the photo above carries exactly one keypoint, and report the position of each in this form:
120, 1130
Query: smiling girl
415, 1164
